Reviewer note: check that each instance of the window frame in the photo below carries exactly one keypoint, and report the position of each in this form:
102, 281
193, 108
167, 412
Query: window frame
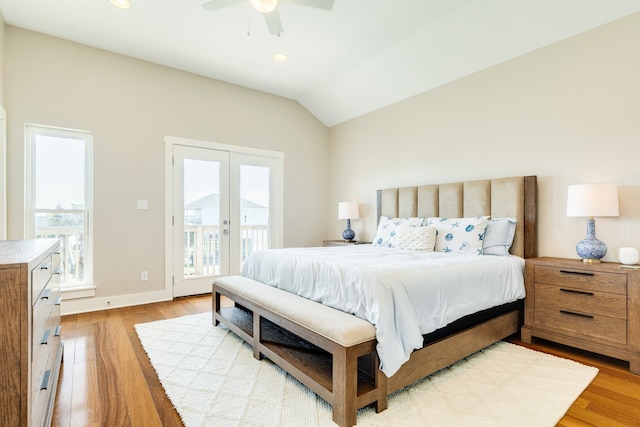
32, 131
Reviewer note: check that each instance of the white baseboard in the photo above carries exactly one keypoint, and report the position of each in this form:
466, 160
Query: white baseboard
86, 305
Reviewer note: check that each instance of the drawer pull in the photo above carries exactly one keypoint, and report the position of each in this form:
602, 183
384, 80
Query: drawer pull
46, 293
58, 330
573, 291
586, 316
45, 266
45, 337
45, 380
58, 300
583, 273
57, 271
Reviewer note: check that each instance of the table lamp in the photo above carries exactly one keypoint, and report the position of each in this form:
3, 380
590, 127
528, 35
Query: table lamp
348, 211
592, 200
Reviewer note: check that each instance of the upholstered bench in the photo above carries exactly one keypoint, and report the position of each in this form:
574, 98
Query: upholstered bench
320, 346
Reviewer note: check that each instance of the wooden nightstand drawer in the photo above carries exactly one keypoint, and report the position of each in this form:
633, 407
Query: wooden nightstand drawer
588, 280
580, 301
588, 325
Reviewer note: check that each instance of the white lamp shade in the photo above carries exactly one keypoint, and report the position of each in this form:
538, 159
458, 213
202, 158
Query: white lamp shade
592, 200
348, 210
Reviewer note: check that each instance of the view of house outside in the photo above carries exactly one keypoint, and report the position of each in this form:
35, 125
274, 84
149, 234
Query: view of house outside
202, 215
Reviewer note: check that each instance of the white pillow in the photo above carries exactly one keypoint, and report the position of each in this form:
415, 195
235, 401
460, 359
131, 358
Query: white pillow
387, 228
499, 236
414, 238
461, 235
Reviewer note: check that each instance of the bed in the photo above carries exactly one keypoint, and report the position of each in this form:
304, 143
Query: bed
513, 197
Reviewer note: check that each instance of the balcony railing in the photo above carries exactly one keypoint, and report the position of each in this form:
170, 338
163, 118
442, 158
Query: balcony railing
72, 250
202, 247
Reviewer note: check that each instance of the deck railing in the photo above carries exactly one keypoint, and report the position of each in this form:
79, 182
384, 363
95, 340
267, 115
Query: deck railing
202, 247
72, 251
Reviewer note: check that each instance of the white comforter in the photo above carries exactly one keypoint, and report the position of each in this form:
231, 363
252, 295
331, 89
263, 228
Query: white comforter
404, 294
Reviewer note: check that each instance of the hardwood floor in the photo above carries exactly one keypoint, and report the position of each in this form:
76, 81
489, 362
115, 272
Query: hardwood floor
107, 380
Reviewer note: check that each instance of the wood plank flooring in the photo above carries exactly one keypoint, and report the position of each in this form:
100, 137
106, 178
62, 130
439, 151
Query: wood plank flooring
107, 380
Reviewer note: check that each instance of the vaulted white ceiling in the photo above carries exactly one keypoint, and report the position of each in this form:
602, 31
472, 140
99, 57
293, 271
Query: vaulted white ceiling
360, 56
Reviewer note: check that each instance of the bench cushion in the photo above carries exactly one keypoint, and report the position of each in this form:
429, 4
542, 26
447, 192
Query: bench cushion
338, 326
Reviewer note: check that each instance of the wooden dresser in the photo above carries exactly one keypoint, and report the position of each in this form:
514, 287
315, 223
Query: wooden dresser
30, 345
595, 307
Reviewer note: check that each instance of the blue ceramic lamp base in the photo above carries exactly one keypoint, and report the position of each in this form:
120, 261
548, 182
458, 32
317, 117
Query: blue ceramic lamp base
348, 234
591, 249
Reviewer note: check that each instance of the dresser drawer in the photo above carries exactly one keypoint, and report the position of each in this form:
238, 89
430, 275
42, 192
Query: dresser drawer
46, 322
580, 301
45, 342
588, 325
44, 379
40, 276
583, 279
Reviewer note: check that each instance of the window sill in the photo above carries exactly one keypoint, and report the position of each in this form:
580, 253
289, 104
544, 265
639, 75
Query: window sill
75, 292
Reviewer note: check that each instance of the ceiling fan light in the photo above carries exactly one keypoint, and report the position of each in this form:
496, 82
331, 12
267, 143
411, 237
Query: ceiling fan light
124, 4
264, 6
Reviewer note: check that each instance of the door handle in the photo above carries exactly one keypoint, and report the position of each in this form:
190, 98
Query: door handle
225, 232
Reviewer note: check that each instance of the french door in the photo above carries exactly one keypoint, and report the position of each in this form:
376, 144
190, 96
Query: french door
225, 206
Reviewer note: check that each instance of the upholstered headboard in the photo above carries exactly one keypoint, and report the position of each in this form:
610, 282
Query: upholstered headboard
513, 197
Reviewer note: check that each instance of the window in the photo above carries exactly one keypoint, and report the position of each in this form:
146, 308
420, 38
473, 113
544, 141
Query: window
59, 196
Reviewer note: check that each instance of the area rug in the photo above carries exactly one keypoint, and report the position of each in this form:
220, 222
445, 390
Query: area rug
212, 379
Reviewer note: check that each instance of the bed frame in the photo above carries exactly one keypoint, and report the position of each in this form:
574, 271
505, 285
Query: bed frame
293, 338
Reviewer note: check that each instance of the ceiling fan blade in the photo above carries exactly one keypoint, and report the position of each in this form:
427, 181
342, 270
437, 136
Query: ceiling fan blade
273, 22
219, 4
320, 4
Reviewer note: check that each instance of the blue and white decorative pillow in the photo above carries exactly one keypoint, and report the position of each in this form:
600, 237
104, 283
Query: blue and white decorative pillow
460, 235
388, 227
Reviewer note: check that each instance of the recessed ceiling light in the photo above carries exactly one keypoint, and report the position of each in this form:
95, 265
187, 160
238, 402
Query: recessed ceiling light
280, 57
123, 4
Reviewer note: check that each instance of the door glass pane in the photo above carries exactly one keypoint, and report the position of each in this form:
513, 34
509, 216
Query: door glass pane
254, 209
201, 218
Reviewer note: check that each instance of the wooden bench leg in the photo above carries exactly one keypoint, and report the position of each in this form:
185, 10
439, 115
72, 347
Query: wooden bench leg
257, 333
215, 309
381, 386
345, 387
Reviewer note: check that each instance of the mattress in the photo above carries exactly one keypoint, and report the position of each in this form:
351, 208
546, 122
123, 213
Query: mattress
404, 294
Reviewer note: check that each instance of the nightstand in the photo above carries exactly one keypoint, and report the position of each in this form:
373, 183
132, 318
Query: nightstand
595, 307
326, 243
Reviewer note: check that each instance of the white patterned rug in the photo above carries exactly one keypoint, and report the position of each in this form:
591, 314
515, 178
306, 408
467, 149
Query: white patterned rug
212, 379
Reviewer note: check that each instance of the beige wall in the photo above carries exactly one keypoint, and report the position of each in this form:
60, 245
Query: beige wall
2, 72
568, 113
130, 105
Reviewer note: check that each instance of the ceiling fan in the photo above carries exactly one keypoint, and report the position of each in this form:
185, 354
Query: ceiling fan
269, 9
